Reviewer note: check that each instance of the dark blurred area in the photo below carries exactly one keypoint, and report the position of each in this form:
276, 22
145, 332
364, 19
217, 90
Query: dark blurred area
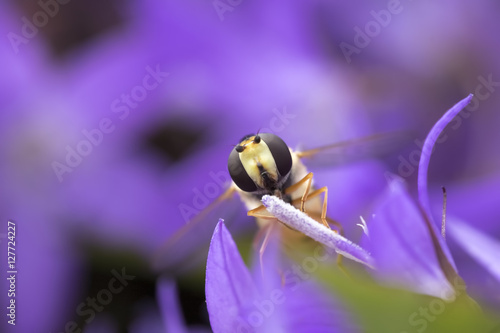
76, 23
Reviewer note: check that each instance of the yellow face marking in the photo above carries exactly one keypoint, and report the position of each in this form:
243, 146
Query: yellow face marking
254, 154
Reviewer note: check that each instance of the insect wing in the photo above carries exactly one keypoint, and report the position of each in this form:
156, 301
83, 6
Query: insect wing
377, 145
188, 246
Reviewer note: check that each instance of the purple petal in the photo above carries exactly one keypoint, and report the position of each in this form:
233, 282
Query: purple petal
298, 220
170, 308
402, 246
311, 308
295, 302
229, 288
430, 140
483, 248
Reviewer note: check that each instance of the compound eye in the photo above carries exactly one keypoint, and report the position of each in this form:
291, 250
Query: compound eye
238, 172
280, 152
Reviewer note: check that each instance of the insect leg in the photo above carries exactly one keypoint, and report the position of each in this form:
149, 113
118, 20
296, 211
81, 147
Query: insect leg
307, 178
323, 212
257, 213
326, 220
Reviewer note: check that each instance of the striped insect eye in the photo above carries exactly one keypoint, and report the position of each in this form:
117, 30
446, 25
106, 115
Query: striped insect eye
280, 151
252, 155
238, 172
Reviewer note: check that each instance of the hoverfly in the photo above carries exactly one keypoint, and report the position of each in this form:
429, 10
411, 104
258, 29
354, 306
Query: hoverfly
263, 164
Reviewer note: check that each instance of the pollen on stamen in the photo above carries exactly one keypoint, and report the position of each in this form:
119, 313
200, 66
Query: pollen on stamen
300, 221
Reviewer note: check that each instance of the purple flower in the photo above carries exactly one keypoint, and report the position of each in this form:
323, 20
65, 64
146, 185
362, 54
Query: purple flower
226, 79
242, 301
122, 195
406, 246
402, 247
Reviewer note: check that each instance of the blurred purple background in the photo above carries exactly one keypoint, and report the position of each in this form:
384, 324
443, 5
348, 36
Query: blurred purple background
114, 114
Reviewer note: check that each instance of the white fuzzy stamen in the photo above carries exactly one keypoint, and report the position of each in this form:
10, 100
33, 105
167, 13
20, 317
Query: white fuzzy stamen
363, 226
300, 221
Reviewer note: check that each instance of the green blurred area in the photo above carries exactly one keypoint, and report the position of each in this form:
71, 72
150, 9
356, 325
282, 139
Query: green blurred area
380, 309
